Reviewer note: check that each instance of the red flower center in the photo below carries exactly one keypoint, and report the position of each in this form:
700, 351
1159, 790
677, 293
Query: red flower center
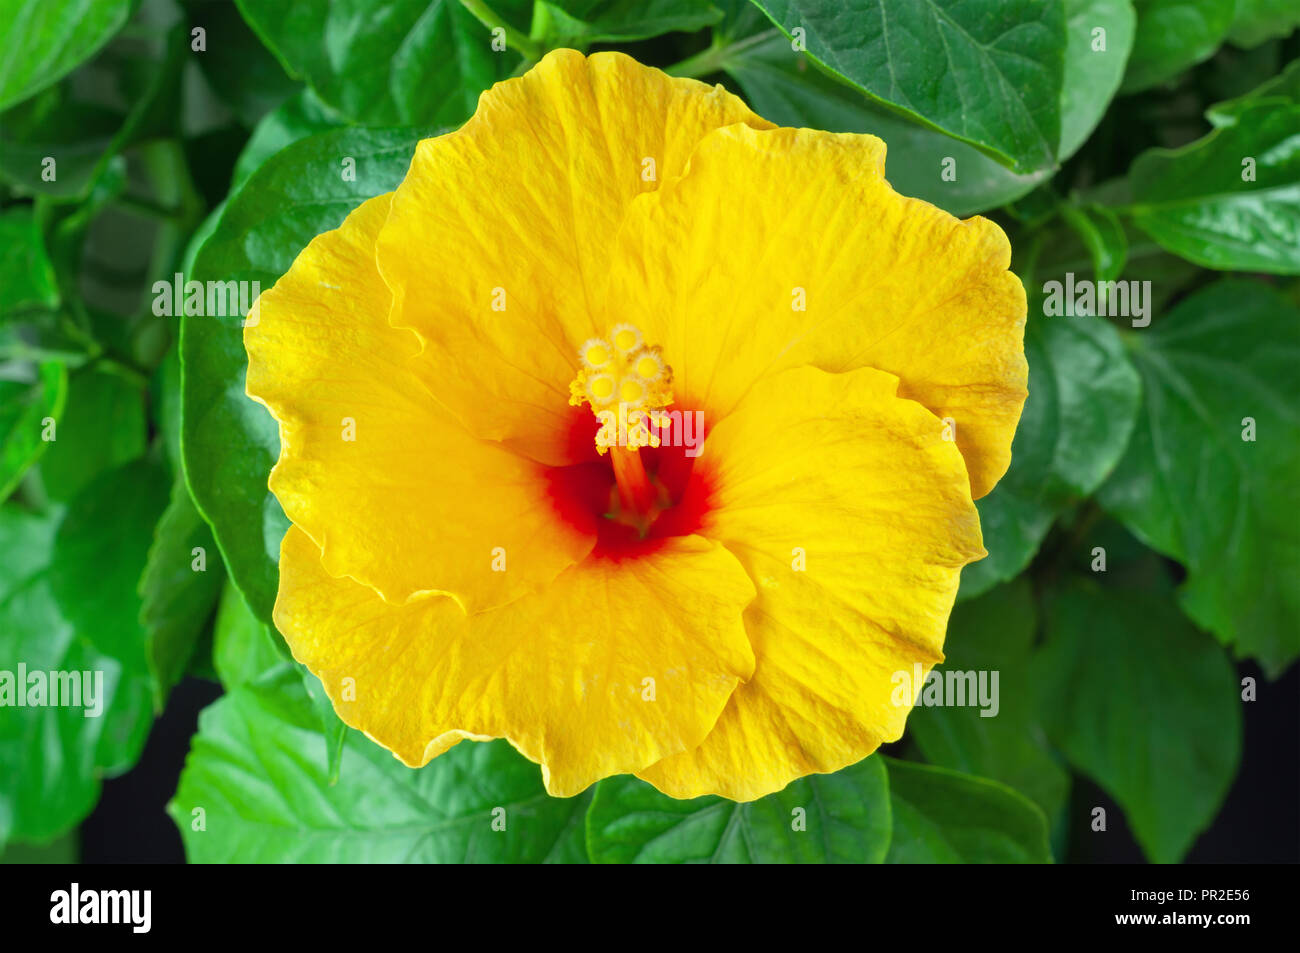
626, 518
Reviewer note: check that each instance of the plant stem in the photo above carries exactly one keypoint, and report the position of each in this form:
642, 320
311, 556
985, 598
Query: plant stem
521, 44
715, 58
148, 209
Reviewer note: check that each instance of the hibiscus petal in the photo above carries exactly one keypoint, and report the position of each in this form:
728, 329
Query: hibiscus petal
714, 267
499, 240
413, 503
562, 674
860, 484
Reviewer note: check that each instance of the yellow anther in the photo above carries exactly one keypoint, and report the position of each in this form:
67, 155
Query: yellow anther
602, 387
631, 390
596, 353
626, 337
626, 377
648, 365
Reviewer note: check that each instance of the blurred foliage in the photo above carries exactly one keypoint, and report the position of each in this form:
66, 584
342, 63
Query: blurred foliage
1138, 545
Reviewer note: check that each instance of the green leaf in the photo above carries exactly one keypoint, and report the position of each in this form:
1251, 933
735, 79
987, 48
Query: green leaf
28, 540
1083, 400
1014, 522
42, 40
200, 665
79, 137
1192, 487
1173, 35
569, 22
26, 275
1260, 20
229, 442
993, 634
332, 727
68, 604
244, 649
1092, 71
943, 817
411, 62
823, 818
740, 18
1230, 200
1280, 91
24, 407
182, 579
243, 73
165, 407
102, 426
100, 552
1143, 704
128, 92
1002, 63
195, 244
258, 772
1058, 251
789, 89
64, 850
1102, 233
39, 336
297, 118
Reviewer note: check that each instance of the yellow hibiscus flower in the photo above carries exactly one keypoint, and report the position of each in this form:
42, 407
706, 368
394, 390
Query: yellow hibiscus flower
624, 430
